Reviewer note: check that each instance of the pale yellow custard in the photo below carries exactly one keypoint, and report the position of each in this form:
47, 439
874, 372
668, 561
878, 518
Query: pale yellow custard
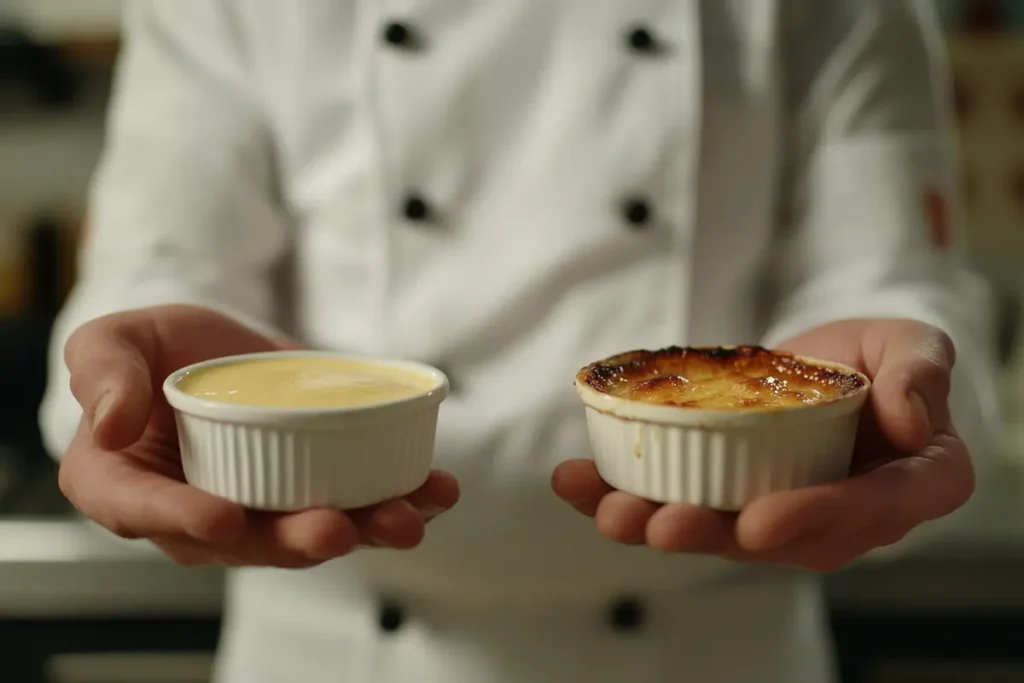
306, 382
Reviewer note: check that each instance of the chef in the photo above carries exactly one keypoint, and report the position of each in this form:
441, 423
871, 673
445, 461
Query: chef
510, 190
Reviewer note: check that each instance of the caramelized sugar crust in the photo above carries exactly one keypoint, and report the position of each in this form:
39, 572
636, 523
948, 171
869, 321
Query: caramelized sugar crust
738, 377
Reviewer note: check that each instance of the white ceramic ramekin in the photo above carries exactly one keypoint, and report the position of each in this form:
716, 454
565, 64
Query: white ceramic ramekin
293, 459
721, 459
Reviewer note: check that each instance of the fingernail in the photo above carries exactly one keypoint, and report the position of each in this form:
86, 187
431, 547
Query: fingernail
921, 408
378, 543
103, 407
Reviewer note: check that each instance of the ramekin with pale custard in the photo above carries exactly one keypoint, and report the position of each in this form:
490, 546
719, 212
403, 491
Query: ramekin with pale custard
720, 426
292, 430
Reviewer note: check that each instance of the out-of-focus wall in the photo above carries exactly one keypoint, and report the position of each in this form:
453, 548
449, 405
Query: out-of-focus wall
986, 45
56, 19
989, 74
46, 160
47, 153
987, 57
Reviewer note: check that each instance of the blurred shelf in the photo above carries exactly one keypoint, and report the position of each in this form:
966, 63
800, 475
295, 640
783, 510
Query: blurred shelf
975, 46
60, 20
30, 489
70, 568
90, 52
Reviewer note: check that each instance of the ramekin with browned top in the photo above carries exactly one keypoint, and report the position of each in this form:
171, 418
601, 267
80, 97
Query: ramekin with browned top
720, 426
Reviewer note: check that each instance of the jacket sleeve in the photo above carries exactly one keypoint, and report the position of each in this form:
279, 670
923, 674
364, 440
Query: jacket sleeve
872, 220
183, 206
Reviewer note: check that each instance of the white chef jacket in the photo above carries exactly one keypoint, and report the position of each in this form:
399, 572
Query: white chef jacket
510, 190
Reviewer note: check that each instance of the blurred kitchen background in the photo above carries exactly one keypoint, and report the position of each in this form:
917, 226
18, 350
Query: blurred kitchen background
79, 607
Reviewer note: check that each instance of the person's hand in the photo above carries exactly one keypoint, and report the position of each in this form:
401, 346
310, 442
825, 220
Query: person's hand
909, 466
123, 469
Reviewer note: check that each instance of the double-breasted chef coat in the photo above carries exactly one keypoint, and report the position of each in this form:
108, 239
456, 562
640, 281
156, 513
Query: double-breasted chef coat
509, 190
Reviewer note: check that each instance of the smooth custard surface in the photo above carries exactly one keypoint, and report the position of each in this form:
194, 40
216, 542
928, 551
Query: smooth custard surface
303, 382
719, 378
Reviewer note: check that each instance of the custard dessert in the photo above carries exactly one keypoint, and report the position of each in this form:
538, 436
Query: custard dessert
720, 378
720, 426
303, 382
293, 430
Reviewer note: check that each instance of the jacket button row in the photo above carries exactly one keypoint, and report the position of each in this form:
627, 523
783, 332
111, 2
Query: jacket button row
626, 615
636, 211
400, 34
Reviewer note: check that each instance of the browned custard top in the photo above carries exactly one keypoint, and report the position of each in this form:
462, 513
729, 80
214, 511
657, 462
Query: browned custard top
719, 378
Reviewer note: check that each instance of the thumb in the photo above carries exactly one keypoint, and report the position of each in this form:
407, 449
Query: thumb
111, 378
911, 384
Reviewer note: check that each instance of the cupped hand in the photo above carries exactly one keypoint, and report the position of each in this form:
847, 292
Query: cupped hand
123, 469
910, 466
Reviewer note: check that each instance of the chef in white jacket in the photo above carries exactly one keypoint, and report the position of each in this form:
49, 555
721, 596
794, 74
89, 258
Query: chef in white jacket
509, 190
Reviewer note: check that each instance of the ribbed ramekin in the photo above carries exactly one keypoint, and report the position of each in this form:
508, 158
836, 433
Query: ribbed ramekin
721, 459
292, 459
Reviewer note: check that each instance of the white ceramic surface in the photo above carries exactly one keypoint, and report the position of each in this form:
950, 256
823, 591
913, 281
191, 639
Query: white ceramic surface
292, 459
721, 459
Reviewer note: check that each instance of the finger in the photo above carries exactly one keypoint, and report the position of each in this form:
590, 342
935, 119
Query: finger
394, 524
823, 554
119, 492
578, 483
688, 528
272, 539
188, 552
912, 365
117, 361
309, 537
390, 525
109, 363
622, 517
276, 539
884, 503
842, 338
438, 494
